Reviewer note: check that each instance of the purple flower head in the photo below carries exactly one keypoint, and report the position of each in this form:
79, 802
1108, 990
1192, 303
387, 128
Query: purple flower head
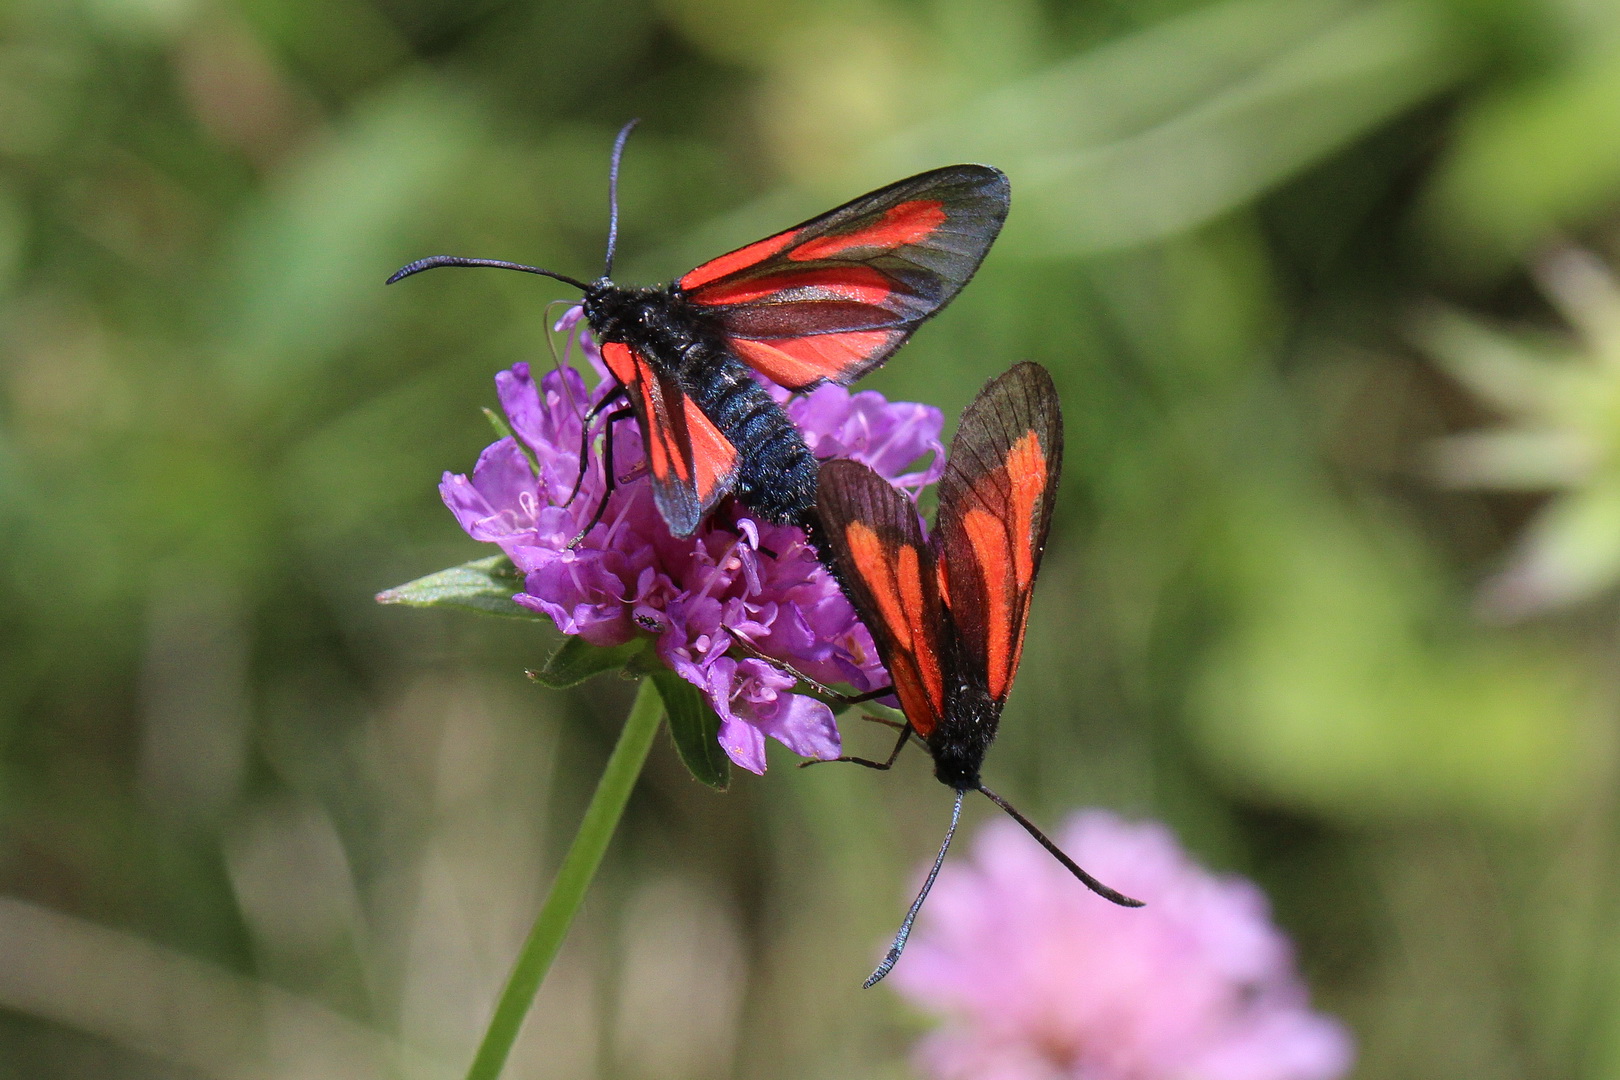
738, 578
1040, 980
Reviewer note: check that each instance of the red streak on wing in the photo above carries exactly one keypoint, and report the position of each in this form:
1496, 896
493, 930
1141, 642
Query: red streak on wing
623, 363
663, 457
713, 456
859, 284
741, 259
872, 563
1026, 468
907, 223
908, 575
987, 533
914, 701
797, 362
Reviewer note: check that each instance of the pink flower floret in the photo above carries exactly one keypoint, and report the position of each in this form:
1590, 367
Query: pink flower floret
1040, 980
738, 578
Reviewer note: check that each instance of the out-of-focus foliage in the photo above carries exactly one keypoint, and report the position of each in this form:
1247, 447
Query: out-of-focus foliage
1567, 436
253, 825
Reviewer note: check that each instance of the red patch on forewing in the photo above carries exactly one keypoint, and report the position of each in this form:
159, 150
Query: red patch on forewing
988, 535
893, 585
907, 223
1026, 468
741, 259
914, 700
855, 284
1006, 602
713, 456
908, 575
663, 456
871, 561
622, 362
798, 362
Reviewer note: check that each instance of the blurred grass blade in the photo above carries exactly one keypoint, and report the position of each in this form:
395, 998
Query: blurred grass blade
1127, 86
577, 660
695, 729
304, 265
1569, 553
1325, 89
573, 878
176, 1008
1506, 373
483, 585
1162, 131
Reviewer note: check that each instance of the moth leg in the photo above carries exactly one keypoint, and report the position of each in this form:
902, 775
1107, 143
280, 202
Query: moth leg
609, 479
870, 695
820, 688
617, 394
905, 734
922, 744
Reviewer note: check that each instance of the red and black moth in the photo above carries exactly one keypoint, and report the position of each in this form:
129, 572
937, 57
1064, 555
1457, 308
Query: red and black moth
825, 301
948, 610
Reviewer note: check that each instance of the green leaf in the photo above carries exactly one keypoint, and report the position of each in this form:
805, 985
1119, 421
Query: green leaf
578, 660
644, 663
695, 728
484, 585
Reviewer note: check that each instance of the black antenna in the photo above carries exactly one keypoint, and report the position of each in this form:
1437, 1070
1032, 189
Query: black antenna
613, 194
916, 905
456, 260
1086, 879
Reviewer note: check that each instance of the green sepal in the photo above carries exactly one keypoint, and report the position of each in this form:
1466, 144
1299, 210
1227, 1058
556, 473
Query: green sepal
577, 660
484, 585
694, 728
503, 430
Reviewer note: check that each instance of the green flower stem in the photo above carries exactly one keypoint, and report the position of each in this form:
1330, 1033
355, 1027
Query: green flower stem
573, 878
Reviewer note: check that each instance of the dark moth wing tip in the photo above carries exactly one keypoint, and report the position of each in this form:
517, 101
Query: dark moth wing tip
1019, 399
680, 511
841, 485
1026, 377
994, 178
848, 492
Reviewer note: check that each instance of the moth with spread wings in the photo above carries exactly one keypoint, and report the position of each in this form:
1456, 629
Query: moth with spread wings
948, 610
825, 301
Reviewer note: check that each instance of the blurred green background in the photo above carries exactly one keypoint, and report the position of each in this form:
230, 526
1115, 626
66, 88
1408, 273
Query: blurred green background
1322, 284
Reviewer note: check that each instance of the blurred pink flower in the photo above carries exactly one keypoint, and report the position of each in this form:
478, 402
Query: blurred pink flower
1038, 980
